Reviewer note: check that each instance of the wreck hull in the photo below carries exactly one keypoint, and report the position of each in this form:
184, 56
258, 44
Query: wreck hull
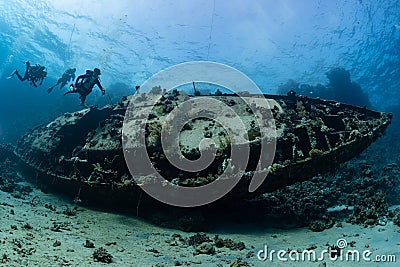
314, 136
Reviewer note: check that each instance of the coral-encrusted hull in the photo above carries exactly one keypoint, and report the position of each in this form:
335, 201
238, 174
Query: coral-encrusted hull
83, 150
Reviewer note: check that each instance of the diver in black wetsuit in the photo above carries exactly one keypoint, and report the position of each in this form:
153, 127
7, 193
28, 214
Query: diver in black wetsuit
32, 74
84, 84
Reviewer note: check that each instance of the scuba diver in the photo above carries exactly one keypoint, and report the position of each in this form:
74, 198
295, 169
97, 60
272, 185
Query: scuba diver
85, 83
68, 75
32, 74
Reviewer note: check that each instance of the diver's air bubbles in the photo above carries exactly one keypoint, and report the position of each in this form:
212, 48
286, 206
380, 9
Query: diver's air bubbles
10, 58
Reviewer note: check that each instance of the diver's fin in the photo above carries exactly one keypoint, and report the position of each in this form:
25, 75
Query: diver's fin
50, 89
12, 74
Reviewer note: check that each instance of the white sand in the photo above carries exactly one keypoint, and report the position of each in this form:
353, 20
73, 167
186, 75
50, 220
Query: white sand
134, 238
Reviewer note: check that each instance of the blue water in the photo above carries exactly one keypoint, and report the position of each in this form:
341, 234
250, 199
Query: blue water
270, 41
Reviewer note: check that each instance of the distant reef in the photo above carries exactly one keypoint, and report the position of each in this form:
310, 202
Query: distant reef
340, 88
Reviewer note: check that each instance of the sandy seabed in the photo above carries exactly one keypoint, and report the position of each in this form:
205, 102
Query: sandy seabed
41, 229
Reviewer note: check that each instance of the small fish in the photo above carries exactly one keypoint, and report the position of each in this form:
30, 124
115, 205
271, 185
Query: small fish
397, 26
